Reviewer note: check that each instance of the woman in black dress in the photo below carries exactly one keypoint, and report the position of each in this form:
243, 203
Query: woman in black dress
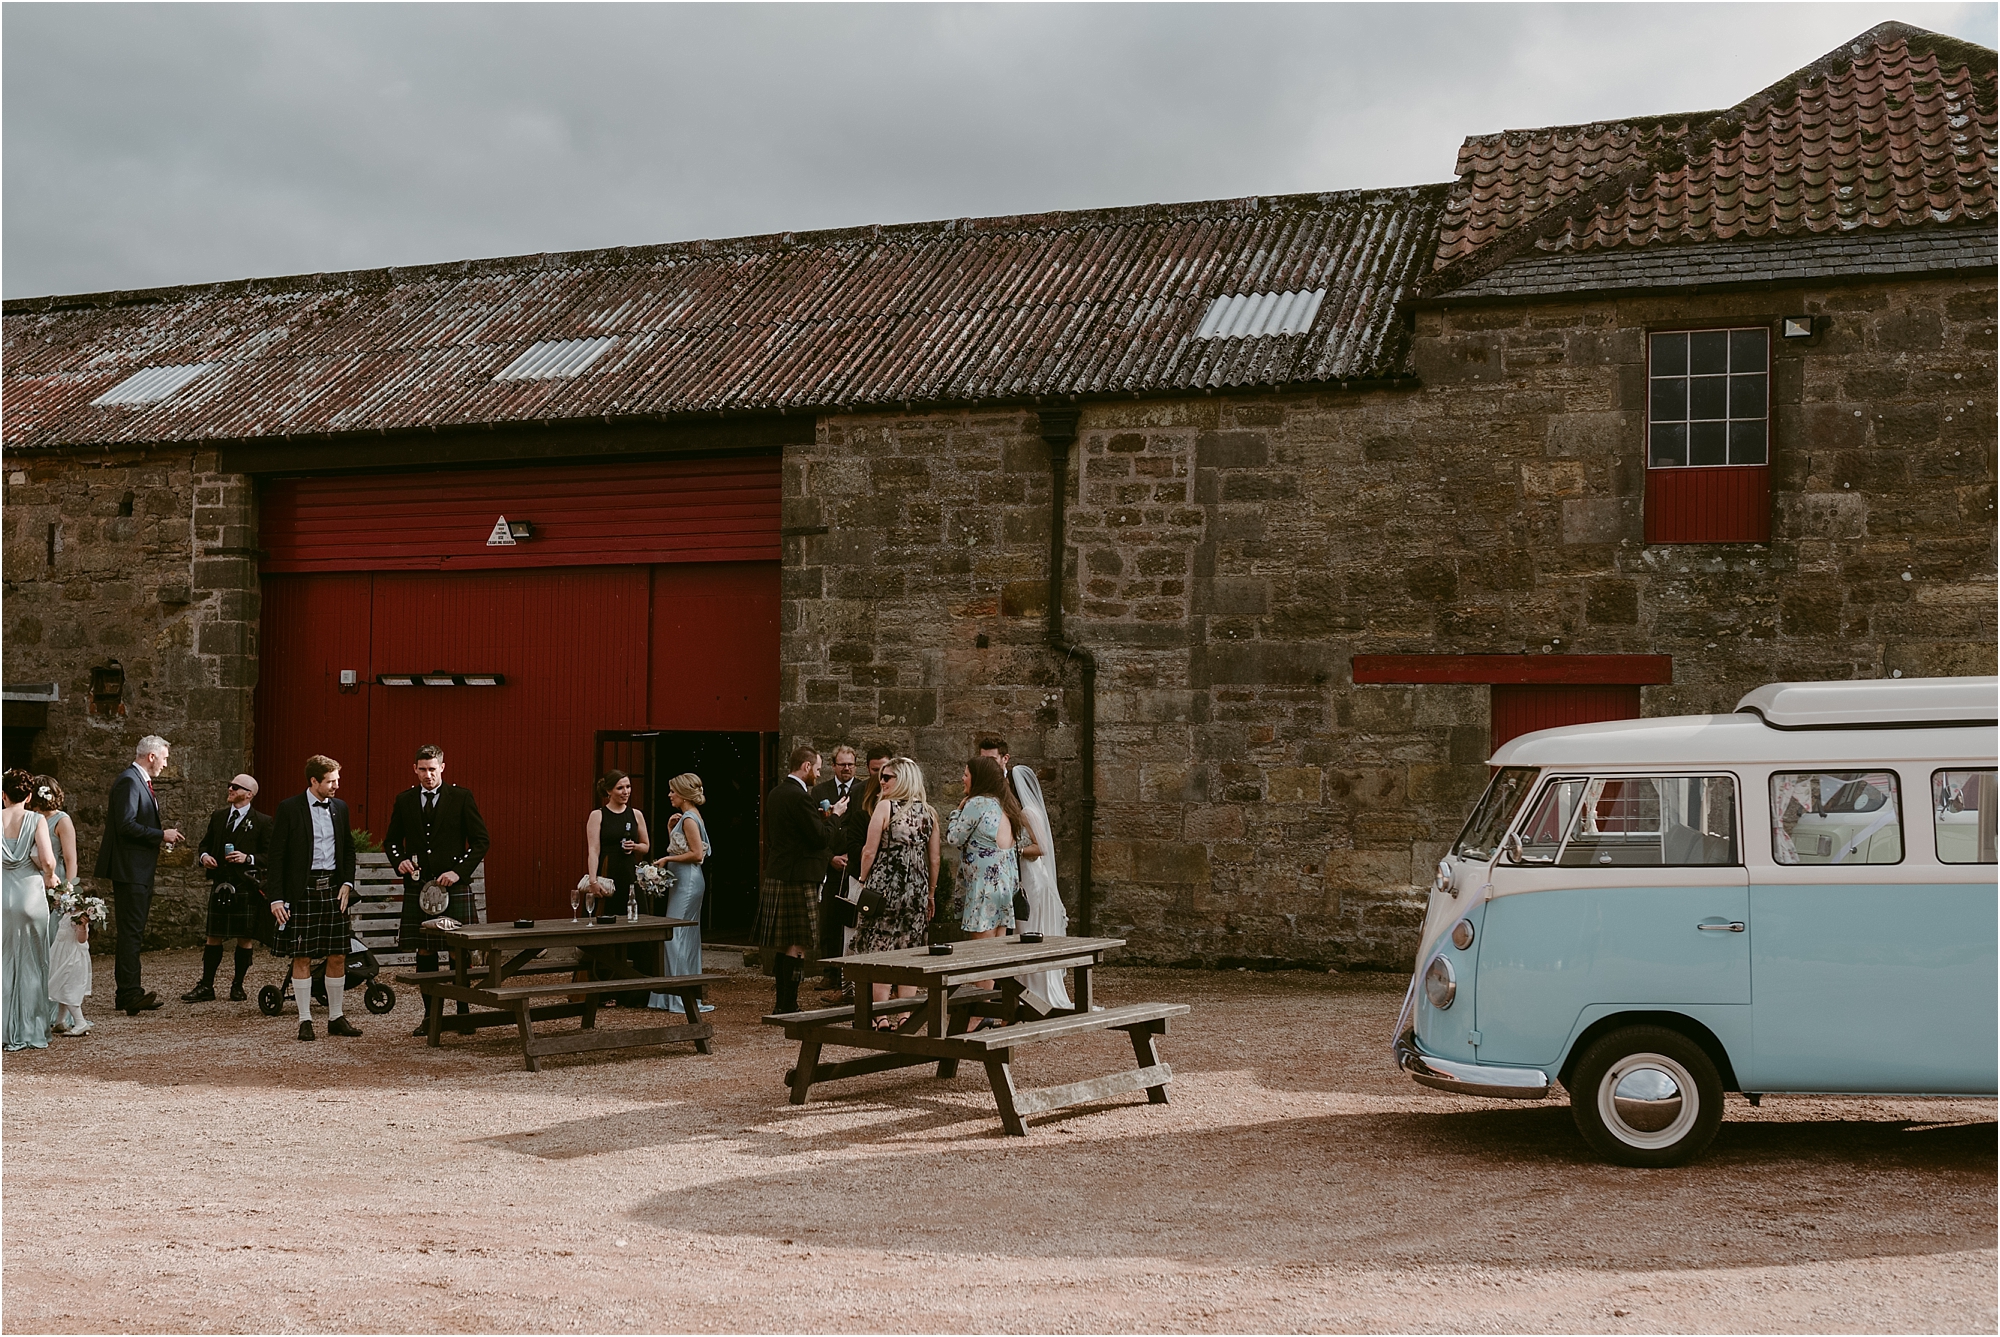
615, 840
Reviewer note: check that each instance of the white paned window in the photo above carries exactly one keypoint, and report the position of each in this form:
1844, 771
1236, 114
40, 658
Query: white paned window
553, 359
1250, 315
151, 384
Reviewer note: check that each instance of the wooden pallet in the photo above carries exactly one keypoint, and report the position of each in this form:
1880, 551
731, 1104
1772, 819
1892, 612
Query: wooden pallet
377, 910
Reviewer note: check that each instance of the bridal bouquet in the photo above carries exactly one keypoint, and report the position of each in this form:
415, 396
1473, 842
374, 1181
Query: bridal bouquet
79, 908
652, 880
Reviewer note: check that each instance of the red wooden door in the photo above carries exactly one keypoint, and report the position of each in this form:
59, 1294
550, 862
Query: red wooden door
715, 647
572, 646
311, 628
1523, 708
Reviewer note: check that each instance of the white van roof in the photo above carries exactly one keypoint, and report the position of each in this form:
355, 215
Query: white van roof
1875, 703
1745, 738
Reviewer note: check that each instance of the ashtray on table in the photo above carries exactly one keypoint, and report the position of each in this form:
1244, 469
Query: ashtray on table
607, 919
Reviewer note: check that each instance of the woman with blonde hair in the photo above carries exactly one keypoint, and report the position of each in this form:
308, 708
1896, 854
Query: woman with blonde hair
899, 864
687, 850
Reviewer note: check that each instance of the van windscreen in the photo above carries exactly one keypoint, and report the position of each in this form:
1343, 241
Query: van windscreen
1489, 821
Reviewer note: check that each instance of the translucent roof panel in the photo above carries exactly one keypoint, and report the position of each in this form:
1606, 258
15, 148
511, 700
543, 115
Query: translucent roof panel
150, 385
553, 359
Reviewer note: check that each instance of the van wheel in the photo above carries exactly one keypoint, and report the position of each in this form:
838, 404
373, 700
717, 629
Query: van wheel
1646, 1096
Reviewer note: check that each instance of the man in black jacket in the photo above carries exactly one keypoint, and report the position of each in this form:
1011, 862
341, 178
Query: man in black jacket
311, 879
435, 835
233, 854
799, 837
133, 835
833, 923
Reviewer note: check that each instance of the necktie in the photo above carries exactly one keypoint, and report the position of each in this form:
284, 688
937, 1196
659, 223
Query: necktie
430, 801
235, 823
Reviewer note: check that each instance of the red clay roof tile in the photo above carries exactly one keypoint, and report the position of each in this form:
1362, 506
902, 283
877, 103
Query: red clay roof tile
1895, 129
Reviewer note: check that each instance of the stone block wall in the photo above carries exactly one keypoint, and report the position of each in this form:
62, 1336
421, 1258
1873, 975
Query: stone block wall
1230, 554
145, 560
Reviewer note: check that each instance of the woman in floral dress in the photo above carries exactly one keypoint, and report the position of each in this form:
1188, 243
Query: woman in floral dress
899, 863
983, 831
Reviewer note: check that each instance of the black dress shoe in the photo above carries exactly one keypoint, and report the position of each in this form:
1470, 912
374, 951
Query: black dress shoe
200, 993
305, 1030
342, 1026
236, 994
145, 1002
423, 1030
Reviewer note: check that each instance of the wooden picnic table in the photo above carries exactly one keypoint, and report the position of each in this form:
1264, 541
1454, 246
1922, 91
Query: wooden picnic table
932, 1028
507, 953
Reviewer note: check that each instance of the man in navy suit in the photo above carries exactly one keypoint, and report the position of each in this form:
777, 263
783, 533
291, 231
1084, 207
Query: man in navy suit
133, 835
311, 878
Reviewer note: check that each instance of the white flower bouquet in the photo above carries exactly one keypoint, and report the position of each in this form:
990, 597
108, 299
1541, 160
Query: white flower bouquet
653, 880
75, 906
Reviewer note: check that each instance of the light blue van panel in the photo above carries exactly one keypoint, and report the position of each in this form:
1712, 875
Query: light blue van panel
1729, 1023
1875, 987
1447, 1034
1548, 955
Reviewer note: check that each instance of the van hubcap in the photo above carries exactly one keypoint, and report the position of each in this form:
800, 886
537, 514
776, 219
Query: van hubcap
1648, 1100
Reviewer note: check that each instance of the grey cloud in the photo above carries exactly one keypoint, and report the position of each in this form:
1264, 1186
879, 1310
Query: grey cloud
168, 144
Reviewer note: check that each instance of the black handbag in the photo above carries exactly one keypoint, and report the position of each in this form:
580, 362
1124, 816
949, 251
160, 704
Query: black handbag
1021, 906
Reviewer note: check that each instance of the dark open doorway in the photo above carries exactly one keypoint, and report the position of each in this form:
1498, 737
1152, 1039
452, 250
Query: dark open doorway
731, 766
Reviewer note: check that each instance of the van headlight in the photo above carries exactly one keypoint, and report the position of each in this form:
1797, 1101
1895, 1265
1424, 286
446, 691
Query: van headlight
1440, 985
1442, 882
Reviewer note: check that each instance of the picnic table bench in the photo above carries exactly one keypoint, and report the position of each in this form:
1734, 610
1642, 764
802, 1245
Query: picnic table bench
933, 1027
502, 997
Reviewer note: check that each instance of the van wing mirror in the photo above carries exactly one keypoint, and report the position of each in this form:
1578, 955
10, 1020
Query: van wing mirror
1510, 845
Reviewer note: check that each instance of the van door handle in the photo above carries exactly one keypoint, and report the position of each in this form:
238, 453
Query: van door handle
1733, 926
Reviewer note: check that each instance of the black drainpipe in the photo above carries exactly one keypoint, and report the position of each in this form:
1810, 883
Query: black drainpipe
1058, 428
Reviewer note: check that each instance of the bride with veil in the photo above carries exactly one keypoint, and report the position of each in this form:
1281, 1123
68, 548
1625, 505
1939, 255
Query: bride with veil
1038, 882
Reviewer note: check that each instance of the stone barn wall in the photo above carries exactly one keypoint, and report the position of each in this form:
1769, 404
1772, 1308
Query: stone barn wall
147, 559
1230, 554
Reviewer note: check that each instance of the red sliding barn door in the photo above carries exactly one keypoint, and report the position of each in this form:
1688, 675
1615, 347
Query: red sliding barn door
647, 599
1518, 709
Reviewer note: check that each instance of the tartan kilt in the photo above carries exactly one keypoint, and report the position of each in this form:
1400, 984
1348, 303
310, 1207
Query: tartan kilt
787, 917
411, 935
235, 913
318, 926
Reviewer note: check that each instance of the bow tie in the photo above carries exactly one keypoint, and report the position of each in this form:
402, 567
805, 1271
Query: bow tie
323, 803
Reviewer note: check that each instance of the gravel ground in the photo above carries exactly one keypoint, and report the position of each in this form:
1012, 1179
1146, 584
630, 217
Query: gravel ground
198, 1169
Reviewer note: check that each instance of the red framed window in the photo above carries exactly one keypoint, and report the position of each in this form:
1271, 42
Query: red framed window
1708, 435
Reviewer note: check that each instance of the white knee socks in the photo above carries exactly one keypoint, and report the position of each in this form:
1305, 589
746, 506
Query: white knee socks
336, 986
302, 993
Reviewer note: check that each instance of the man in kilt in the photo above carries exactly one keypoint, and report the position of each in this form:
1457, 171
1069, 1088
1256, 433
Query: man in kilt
233, 854
800, 835
311, 878
435, 835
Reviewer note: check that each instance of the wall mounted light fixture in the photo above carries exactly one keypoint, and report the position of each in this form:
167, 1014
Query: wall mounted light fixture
440, 679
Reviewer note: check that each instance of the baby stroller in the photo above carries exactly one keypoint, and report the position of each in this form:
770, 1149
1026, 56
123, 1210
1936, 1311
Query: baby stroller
362, 969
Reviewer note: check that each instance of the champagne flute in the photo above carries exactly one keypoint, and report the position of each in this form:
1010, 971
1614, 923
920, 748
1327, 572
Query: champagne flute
590, 900
575, 899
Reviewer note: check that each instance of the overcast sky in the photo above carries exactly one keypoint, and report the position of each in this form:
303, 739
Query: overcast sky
164, 144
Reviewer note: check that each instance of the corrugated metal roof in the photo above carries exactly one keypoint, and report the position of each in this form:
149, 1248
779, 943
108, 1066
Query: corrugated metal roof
1894, 129
1095, 303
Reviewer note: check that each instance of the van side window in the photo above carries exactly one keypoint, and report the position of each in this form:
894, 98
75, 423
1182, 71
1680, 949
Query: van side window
1542, 833
1679, 821
1964, 805
1835, 817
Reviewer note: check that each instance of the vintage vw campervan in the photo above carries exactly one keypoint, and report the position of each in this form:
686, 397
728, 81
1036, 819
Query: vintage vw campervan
1798, 897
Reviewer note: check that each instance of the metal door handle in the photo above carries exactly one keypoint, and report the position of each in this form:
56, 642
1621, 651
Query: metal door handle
1733, 926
